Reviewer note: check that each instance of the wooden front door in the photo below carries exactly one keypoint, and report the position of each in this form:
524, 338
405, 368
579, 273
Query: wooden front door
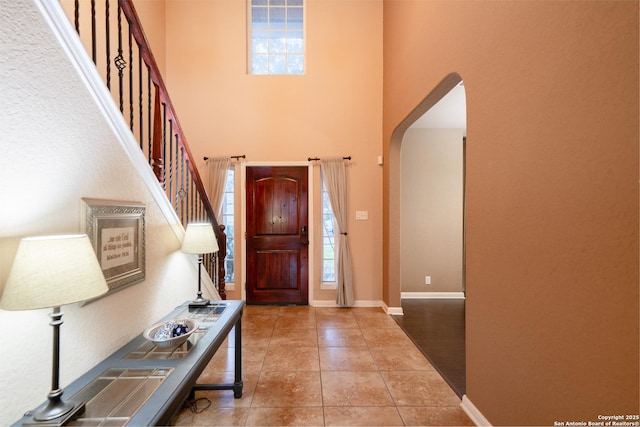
277, 235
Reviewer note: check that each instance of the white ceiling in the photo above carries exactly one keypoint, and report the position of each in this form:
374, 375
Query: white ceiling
450, 112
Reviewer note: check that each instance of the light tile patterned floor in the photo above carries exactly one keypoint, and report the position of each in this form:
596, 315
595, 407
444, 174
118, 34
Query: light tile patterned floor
306, 366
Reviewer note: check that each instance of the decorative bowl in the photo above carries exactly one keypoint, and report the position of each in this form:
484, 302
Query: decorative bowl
161, 334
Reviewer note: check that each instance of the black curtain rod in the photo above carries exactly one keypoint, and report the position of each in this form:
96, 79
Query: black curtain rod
233, 157
315, 158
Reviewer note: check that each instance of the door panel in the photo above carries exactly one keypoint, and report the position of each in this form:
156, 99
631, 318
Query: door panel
277, 237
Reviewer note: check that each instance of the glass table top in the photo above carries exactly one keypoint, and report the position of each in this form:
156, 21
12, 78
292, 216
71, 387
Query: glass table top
117, 394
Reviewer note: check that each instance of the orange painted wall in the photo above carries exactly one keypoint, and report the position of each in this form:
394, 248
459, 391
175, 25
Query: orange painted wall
152, 16
335, 109
552, 194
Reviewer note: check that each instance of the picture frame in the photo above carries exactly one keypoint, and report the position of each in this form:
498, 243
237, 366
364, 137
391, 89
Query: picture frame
116, 230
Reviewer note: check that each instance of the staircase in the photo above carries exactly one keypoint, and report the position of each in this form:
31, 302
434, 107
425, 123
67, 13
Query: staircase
112, 35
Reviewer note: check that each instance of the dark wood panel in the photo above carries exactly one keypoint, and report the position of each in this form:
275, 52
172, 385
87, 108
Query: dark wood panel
277, 206
277, 270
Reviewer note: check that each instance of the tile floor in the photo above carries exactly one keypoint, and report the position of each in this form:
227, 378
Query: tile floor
306, 366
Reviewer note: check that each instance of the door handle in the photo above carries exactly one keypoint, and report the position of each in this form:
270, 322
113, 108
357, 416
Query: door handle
303, 230
305, 243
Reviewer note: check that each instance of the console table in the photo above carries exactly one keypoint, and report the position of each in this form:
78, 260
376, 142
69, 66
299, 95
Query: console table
141, 384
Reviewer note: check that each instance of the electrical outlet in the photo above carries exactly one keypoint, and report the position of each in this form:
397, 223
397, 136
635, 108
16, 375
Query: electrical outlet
427, 280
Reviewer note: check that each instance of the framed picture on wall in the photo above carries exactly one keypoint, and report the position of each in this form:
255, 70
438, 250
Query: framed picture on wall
116, 230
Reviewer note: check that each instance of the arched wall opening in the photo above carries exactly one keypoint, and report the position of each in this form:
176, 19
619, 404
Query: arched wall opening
395, 184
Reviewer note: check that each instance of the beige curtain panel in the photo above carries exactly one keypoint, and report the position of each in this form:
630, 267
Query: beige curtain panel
218, 168
334, 177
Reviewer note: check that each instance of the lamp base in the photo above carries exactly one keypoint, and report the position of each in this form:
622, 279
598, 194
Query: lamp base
199, 303
59, 414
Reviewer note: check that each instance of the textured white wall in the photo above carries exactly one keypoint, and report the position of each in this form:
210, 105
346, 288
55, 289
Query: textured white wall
55, 148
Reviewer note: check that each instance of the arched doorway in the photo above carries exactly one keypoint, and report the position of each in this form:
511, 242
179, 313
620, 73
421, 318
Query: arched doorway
427, 166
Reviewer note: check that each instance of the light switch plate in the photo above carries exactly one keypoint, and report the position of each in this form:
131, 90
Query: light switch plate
362, 215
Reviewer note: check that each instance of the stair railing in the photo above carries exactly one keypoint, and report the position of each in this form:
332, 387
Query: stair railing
139, 91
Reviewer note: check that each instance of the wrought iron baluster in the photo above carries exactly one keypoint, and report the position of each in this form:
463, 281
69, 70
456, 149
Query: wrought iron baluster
176, 174
130, 80
120, 62
196, 208
175, 179
108, 44
93, 31
140, 101
185, 185
220, 262
180, 179
149, 113
76, 15
187, 190
171, 174
157, 139
164, 148
192, 198
197, 211
183, 189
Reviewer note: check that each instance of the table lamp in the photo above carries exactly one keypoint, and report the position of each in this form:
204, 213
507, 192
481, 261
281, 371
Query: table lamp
199, 239
51, 271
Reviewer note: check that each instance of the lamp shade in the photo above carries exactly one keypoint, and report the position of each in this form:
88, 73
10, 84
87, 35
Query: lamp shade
51, 271
199, 239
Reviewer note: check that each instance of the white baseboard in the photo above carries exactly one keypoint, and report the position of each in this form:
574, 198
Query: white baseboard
368, 303
323, 303
474, 414
332, 303
394, 311
358, 303
432, 295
